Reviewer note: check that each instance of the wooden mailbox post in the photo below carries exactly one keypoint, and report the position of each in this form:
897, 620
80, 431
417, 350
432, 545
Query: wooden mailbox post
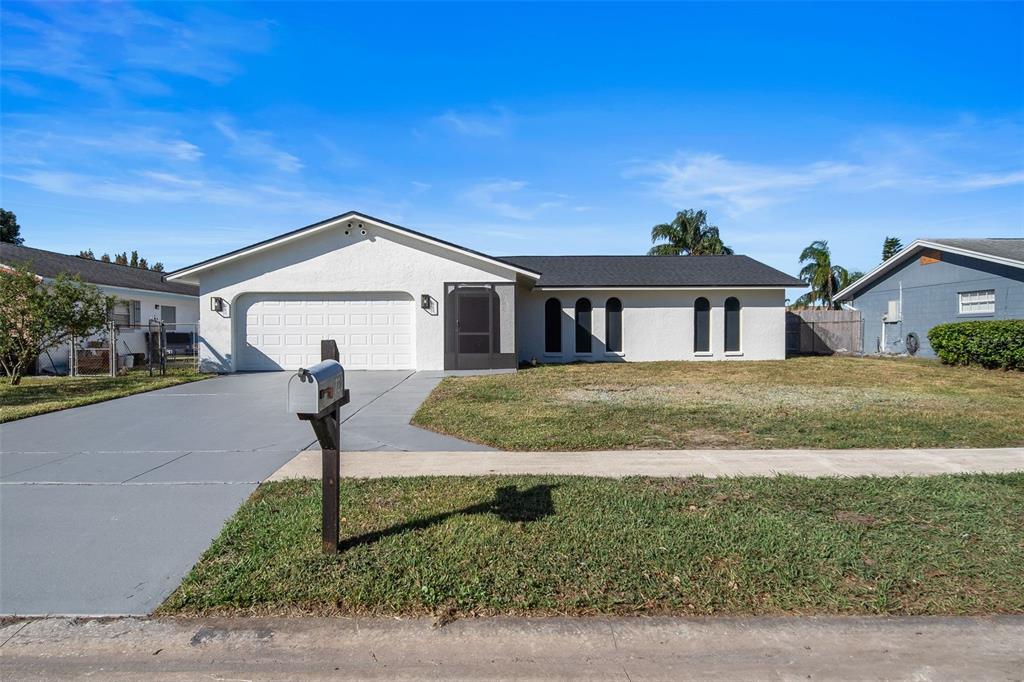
327, 427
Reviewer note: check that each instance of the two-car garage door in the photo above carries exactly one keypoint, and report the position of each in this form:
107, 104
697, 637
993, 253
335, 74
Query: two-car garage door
283, 331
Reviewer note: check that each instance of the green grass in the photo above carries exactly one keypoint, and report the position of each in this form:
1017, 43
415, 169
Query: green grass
951, 544
38, 395
837, 402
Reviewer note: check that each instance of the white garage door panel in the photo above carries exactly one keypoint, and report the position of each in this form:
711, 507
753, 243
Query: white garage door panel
283, 331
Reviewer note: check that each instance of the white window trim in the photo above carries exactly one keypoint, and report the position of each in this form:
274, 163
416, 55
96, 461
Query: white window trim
960, 302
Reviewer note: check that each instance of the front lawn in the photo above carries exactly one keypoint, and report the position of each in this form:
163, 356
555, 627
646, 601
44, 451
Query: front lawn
38, 395
950, 544
837, 402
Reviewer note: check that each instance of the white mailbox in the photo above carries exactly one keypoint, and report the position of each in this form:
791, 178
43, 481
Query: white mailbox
315, 390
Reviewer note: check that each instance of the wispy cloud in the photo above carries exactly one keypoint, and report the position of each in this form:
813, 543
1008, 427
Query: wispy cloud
493, 123
737, 186
116, 47
257, 144
496, 197
962, 158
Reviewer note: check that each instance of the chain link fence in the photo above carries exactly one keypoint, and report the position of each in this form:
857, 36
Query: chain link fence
155, 347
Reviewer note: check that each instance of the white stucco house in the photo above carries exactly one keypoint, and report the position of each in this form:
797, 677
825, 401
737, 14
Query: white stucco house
395, 298
142, 295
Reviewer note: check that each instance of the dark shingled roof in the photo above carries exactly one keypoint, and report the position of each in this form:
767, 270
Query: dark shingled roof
653, 271
51, 264
1004, 247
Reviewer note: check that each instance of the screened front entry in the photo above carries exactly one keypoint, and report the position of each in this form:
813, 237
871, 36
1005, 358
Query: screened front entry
479, 326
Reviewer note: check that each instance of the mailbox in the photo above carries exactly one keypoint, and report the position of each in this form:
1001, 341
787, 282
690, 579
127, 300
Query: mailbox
317, 390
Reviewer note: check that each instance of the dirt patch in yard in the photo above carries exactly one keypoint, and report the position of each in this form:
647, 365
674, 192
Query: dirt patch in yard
745, 396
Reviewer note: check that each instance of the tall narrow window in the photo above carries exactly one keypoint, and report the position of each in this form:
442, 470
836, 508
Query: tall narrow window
583, 342
613, 326
553, 326
732, 325
701, 325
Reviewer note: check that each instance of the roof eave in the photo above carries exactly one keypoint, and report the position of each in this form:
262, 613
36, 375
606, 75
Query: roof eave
902, 256
183, 273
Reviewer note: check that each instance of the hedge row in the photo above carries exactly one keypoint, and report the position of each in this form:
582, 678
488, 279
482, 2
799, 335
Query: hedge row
989, 343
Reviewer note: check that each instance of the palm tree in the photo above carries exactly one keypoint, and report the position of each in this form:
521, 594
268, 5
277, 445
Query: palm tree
689, 234
824, 278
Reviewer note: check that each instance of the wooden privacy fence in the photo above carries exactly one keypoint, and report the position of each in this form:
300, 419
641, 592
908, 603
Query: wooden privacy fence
822, 332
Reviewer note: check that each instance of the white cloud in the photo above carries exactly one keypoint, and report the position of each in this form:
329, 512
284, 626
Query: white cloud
493, 124
966, 157
495, 197
116, 47
255, 144
736, 186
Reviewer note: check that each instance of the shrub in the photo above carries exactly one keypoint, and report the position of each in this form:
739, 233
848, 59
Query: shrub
989, 343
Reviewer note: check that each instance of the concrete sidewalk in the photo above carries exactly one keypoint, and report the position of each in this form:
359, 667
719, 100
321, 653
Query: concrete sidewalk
627, 649
619, 463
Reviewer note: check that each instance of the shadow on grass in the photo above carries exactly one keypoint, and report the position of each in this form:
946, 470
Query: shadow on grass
509, 504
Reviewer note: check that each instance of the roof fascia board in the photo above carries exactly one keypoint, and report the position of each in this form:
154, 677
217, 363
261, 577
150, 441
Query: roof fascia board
148, 292
910, 250
245, 251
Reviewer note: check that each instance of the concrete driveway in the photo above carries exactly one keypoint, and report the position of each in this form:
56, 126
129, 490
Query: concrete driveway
104, 508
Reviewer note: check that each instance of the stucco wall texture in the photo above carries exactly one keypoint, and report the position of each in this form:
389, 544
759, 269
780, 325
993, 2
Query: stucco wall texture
930, 295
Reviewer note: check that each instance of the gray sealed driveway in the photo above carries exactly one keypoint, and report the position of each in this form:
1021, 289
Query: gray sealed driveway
104, 508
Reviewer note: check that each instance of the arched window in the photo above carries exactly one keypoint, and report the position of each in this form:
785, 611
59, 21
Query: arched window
553, 326
613, 325
583, 342
732, 325
701, 325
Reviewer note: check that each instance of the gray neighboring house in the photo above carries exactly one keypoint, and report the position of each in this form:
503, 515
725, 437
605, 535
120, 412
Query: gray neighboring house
934, 281
142, 295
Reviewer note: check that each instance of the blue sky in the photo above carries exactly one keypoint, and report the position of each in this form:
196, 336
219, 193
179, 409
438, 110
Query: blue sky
186, 130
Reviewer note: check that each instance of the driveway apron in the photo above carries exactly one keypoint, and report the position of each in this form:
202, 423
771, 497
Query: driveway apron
104, 508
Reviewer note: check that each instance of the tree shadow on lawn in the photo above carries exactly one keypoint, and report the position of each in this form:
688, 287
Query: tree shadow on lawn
509, 504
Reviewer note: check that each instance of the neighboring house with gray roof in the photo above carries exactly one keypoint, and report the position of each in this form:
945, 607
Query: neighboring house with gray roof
395, 298
934, 281
143, 295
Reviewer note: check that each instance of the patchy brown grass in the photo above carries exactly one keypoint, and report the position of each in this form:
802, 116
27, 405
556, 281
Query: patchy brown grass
837, 402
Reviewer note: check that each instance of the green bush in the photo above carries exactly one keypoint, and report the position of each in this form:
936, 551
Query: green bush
989, 343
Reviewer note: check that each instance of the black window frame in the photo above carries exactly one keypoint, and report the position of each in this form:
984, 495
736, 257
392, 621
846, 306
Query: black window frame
733, 326
702, 325
553, 326
613, 325
583, 317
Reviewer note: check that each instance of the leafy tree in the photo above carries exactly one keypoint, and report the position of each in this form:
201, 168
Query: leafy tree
10, 230
121, 258
105, 258
87, 254
890, 247
688, 234
143, 264
36, 316
824, 278
134, 262
157, 267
